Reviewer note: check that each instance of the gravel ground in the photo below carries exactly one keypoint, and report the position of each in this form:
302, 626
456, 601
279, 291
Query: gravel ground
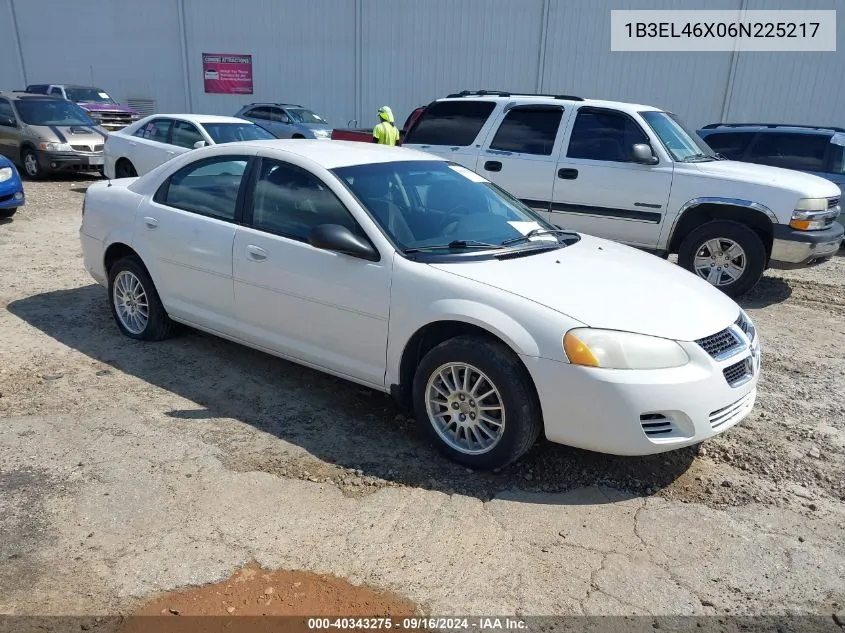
69, 380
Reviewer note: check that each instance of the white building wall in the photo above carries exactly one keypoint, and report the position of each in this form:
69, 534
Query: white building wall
345, 58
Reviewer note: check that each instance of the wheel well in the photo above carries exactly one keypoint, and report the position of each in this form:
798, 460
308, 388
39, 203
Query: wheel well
425, 339
122, 159
703, 213
117, 251
297, 136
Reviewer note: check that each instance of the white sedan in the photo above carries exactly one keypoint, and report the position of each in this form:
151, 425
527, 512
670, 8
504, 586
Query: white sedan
151, 141
412, 275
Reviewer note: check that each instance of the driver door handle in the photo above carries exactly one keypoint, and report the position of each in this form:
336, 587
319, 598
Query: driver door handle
493, 165
256, 253
567, 174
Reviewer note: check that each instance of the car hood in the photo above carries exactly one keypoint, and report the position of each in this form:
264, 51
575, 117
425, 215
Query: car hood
107, 107
802, 184
607, 285
72, 134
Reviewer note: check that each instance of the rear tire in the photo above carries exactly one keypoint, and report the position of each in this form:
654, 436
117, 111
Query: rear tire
124, 169
726, 254
490, 415
135, 304
7, 213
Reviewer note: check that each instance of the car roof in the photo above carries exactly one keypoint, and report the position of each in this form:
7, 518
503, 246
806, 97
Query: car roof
20, 94
528, 99
200, 118
334, 154
821, 130
269, 103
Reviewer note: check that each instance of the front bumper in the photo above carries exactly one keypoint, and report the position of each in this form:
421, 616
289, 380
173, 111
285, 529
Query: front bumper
58, 161
642, 412
11, 194
792, 248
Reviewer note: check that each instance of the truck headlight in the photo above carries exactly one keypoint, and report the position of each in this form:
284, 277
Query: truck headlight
5, 174
611, 349
55, 147
812, 214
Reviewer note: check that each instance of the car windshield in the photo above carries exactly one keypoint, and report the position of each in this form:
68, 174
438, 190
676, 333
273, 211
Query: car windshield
88, 95
301, 115
52, 112
234, 132
680, 141
439, 206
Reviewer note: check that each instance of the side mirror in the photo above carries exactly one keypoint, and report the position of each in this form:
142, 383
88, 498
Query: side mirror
333, 237
199, 144
642, 154
6, 121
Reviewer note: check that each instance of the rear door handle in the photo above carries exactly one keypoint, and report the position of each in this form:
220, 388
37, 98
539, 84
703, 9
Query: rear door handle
256, 253
567, 174
493, 165
151, 223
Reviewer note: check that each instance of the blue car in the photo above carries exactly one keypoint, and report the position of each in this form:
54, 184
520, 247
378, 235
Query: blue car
11, 188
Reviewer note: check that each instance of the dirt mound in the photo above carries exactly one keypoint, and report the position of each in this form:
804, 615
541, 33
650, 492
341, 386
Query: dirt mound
253, 592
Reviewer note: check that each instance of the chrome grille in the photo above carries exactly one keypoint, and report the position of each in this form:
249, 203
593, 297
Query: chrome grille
88, 148
720, 344
739, 373
832, 202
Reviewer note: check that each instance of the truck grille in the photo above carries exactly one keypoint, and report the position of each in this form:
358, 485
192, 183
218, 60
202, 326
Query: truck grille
832, 202
721, 344
112, 120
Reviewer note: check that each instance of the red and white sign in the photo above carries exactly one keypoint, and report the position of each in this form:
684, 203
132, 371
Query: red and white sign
227, 74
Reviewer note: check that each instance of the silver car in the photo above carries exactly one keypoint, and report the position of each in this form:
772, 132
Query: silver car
285, 120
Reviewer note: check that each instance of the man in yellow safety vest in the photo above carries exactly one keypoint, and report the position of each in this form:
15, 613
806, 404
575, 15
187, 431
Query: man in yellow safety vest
385, 131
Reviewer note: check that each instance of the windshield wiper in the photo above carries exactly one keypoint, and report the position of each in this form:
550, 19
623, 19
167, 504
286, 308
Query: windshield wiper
454, 244
535, 233
697, 157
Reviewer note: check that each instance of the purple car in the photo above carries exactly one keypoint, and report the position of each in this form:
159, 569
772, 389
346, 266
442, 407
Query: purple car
105, 111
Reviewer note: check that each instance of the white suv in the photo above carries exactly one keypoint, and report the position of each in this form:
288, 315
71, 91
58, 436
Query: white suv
636, 174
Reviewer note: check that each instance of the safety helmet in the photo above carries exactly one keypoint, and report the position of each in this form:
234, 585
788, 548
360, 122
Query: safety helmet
385, 114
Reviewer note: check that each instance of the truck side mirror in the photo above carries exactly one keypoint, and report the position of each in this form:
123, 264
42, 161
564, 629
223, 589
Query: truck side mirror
642, 154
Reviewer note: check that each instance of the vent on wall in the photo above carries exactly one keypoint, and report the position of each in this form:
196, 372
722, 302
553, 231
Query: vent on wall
145, 107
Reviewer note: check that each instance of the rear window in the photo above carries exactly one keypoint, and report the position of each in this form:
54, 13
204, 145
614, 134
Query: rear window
729, 144
804, 152
454, 123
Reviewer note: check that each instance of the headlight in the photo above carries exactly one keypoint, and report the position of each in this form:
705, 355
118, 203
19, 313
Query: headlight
322, 133
55, 147
812, 214
5, 174
611, 349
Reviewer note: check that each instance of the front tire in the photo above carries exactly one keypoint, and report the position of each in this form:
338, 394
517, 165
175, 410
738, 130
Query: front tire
135, 304
474, 400
728, 255
7, 213
31, 167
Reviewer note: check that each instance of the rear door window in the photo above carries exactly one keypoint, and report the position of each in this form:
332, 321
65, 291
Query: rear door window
804, 152
527, 130
730, 144
454, 123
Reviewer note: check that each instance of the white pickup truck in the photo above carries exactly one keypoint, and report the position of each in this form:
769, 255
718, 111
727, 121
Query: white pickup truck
636, 174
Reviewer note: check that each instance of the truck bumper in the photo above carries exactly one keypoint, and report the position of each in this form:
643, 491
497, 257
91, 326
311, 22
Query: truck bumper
793, 249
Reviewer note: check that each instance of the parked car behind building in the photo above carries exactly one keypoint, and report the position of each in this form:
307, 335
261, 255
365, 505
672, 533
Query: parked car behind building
817, 150
286, 120
155, 139
635, 174
105, 110
44, 134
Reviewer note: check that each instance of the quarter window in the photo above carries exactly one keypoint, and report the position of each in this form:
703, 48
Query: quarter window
208, 187
528, 131
156, 130
600, 135
804, 152
6, 109
185, 134
291, 202
454, 123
